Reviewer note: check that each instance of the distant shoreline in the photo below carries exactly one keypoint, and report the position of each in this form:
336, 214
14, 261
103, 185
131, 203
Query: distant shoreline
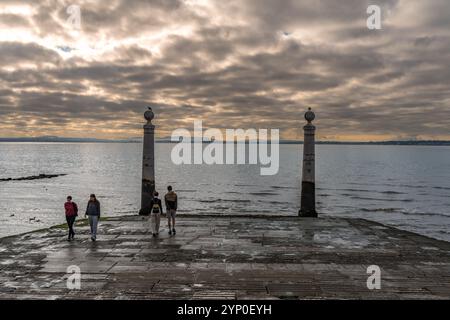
84, 140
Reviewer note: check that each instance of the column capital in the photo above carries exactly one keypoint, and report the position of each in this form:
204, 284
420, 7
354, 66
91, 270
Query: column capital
310, 116
149, 116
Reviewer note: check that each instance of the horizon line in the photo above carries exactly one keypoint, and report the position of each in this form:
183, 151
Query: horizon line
168, 140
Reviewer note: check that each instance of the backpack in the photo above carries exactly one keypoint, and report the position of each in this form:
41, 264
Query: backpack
156, 208
171, 200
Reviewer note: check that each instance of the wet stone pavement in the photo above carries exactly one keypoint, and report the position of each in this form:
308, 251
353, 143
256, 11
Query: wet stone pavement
226, 258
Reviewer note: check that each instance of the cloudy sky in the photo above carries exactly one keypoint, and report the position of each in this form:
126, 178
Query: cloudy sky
232, 64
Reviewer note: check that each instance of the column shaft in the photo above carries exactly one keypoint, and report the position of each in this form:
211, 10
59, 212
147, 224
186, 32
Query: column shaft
148, 165
308, 196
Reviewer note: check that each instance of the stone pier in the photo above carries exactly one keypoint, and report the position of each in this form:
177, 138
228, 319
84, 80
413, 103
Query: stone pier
220, 257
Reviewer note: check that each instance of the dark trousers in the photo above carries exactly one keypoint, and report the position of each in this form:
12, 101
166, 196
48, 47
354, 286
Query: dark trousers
70, 222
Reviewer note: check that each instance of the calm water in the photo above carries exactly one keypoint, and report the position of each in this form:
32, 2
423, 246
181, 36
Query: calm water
403, 186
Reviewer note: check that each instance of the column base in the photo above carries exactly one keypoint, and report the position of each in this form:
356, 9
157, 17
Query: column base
308, 205
309, 214
148, 190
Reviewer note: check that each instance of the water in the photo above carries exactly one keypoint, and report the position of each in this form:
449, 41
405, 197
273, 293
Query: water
403, 186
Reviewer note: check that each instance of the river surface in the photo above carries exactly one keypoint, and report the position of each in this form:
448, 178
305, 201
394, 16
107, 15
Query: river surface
403, 186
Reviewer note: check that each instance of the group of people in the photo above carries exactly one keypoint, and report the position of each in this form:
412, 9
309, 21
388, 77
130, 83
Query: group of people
92, 212
154, 211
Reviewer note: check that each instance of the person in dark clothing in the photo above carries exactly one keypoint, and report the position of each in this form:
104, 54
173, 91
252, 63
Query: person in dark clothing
156, 211
71, 209
171, 200
93, 213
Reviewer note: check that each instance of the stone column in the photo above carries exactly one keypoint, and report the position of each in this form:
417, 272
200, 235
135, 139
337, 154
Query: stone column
308, 200
148, 161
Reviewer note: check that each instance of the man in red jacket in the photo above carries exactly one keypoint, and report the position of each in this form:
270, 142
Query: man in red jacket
71, 213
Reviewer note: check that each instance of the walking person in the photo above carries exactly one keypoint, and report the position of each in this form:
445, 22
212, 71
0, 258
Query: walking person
157, 210
171, 200
71, 209
93, 213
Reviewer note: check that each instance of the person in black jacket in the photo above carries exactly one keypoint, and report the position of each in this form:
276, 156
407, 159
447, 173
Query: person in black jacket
156, 211
93, 212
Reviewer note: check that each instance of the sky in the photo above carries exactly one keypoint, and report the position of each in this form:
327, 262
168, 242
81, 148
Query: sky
232, 64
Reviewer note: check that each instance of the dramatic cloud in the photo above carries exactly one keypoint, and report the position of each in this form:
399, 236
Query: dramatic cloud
233, 64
